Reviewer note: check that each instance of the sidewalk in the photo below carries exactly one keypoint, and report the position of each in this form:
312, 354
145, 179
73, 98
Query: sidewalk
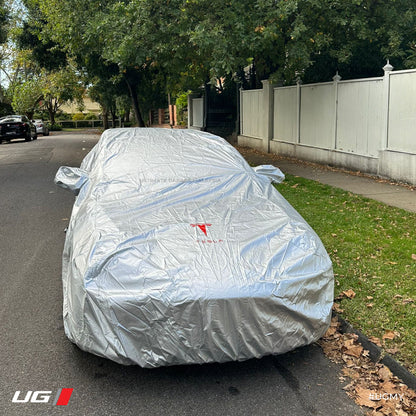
397, 195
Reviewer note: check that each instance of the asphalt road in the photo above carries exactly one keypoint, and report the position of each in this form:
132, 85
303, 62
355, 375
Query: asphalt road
36, 356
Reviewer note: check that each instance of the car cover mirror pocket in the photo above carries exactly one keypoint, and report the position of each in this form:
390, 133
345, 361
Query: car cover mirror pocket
274, 174
71, 178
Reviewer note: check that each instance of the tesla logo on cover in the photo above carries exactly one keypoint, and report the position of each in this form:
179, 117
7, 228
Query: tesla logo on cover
61, 399
202, 227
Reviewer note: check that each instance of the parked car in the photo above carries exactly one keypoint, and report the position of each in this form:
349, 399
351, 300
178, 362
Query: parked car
15, 127
41, 127
178, 252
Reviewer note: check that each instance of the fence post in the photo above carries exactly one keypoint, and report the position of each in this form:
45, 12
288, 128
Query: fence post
298, 104
386, 104
336, 78
190, 111
240, 112
268, 101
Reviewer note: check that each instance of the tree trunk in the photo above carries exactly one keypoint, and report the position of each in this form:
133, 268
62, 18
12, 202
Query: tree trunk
206, 104
113, 118
51, 113
105, 119
135, 103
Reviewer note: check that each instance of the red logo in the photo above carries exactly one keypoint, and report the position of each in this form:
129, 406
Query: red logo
202, 227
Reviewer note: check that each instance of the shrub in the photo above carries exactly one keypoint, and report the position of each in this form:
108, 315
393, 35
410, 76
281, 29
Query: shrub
54, 127
78, 116
91, 116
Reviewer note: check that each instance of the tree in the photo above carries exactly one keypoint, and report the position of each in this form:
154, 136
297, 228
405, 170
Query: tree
4, 16
168, 43
58, 88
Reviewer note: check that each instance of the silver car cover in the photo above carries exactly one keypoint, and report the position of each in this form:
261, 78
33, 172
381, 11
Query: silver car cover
179, 252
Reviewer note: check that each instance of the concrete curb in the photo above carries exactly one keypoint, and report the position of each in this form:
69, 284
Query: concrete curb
376, 354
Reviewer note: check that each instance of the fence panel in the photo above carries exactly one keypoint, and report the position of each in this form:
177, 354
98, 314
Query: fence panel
360, 117
402, 112
285, 114
197, 112
253, 123
317, 115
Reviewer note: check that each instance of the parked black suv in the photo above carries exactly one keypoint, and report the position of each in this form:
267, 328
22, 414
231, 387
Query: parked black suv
15, 127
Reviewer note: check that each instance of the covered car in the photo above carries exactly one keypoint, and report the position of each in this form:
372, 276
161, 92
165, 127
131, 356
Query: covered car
178, 252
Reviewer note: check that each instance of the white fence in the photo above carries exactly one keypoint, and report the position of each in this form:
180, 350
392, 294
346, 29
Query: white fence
367, 125
195, 112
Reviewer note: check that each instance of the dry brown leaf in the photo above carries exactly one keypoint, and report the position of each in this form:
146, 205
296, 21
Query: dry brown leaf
336, 308
384, 373
349, 343
375, 340
369, 380
354, 351
295, 185
393, 350
369, 305
406, 301
350, 294
389, 335
389, 387
363, 397
331, 331
351, 373
414, 256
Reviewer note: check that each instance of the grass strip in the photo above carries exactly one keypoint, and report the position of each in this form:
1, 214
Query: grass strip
373, 250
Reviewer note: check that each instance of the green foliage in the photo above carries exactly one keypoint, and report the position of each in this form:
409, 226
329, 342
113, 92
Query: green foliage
5, 109
54, 127
78, 116
182, 108
4, 17
91, 116
26, 97
46, 54
154, 46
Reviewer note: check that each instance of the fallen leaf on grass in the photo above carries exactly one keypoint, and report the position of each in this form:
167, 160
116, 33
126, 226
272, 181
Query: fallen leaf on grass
406, 301
295, 185
336, 308
369, 305
375, 341
350, 294
389, 335
393, 350
414, 256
